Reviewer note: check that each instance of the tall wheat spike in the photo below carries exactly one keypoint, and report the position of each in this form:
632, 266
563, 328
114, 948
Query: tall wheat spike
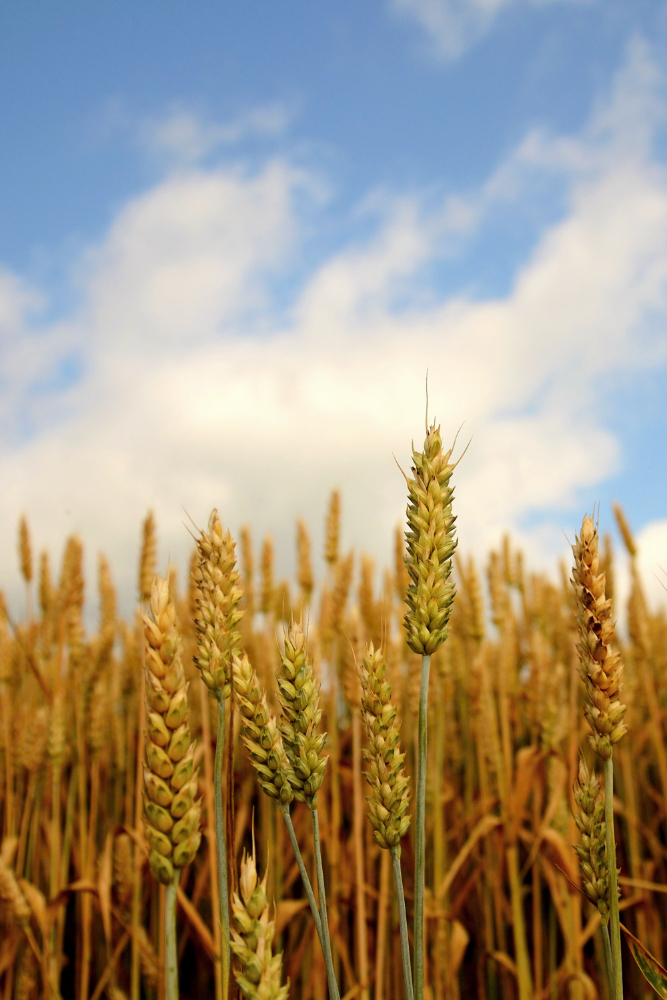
430, 547
260, 970
171, 805
601, 671
389, 800
218, 593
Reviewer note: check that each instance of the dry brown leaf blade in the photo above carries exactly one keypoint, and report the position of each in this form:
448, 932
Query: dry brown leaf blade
653, 972
286, 910
104, 885
483, 827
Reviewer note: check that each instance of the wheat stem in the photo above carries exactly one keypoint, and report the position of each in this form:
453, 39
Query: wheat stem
607, 953
616, 984
403, 923
420, 829
171, 953
223, 888
304, 873
326, 943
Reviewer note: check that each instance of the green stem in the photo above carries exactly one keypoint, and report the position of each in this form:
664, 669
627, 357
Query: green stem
607, 954
223, 889
171, 952
304, 874
326, 943
616, 985
403, 923
420, 830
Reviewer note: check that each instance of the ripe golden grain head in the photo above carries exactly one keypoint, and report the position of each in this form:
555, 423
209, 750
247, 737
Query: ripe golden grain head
260, 970
261, 736
389, 800
304, 561
171, 808
147, 557
601, 668
25, 550
332, 529
299, 698
217, 596
430, 545
268, 586
45, 584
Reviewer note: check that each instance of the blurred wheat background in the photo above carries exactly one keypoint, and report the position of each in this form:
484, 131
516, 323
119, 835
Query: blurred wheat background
506, 727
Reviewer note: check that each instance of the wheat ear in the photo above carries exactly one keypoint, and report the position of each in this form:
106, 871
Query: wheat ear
171, 808
430, 546
389, 800
260, 970
217, 595
262, 740
601, 671
299, 698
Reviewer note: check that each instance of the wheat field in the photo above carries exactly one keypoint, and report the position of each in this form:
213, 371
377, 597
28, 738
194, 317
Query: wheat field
81, 913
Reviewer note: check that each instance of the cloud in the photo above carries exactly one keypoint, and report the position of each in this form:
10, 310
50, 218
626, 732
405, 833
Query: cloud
185, 138
453, 26
199, 386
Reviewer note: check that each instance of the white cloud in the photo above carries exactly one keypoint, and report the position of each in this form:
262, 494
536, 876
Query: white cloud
453, 26
652, 546
186, 138
197, 390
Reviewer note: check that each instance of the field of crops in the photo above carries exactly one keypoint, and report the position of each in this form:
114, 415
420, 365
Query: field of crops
90, 865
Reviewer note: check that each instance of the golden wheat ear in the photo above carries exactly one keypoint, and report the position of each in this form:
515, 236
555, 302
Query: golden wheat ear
389, 799
601, 668
260, 971
171, 807
430, 546
299, 698
218, 592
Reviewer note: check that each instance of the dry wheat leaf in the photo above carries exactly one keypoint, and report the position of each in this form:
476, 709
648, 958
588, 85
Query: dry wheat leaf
650, 967
286, 910
104, 885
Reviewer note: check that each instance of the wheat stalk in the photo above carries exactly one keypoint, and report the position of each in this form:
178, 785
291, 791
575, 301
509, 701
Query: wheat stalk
601, 671
389, 800
171, 807
430, 547
217, 596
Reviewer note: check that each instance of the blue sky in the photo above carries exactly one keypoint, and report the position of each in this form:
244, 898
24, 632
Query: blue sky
235, 236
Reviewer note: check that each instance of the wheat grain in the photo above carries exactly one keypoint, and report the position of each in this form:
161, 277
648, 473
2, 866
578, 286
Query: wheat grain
601, 668
332, 529
300, 702
217, 596
592, 850
25, 550
430, 546
389, 800
171, 806
147, 558
261, 735
260, 970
